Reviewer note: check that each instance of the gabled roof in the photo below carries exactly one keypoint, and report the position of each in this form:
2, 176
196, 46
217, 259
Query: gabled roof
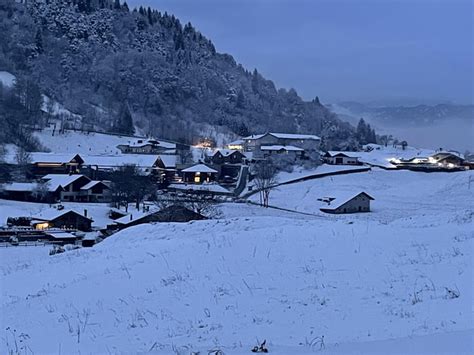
199, 168
93, 183
333, 154
225, 152
337, 199
169, 161
55, 158
52, 214
54, 181
114, 161
288, 148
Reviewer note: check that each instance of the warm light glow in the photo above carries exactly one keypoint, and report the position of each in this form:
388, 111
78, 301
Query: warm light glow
431, 160
42, 226
450, 165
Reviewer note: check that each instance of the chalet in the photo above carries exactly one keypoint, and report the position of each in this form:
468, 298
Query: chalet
65, 219
446, 159
95, 191
198, 174
165, 168
306, 141
346, 203
147, 146
226, 156
173, 213
341, 158
50, 163
71, 185
146, 163
289, 150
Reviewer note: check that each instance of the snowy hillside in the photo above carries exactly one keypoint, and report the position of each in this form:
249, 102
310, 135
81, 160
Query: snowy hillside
81, 142
365, 282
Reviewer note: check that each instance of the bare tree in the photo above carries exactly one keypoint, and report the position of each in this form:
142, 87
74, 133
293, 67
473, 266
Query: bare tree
265, 179
203, 204
130, 185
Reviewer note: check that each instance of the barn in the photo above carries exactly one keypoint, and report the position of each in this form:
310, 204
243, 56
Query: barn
343, 202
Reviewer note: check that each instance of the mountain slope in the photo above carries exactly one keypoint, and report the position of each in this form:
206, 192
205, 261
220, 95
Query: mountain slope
95, 57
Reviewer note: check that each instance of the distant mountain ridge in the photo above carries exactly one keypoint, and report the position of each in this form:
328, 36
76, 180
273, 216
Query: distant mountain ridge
120, 68
413, 115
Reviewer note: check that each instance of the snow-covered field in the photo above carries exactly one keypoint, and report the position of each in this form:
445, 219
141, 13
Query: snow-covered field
397, 280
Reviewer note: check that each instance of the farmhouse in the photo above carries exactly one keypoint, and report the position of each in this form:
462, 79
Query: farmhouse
95, 191
71, 185
65, 219
447, 159
198, 174
338, 203
341, 158
147, 146
226, 156
236, 145
146, 163
306, 141
50, 163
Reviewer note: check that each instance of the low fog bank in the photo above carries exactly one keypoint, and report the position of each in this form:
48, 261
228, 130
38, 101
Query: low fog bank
453, 134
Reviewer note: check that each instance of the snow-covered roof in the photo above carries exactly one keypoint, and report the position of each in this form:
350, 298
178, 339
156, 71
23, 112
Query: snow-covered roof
111, 161
54, 181
337, 199
169, 160
91, 184
53, 213
288, 148
236, 142
224, 152
42, 158
333, 153
60, 235
20, 186
284, 136
199, 168
200, 187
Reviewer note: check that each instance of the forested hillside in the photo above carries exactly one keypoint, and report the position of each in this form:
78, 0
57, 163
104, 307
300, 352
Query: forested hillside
114, 65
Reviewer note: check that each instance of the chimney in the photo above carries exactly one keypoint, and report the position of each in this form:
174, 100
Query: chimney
85, 213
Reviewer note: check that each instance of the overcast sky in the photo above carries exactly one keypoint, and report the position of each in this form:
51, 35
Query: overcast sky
362, 50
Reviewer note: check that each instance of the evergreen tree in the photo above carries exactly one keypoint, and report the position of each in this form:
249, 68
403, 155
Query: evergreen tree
124, 122
39, 41
117, 5
361, 132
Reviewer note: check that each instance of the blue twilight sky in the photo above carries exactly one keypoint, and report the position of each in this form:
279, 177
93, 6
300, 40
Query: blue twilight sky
394, 51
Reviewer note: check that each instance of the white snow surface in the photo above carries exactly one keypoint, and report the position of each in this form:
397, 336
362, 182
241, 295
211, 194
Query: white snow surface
369, 283
7, 79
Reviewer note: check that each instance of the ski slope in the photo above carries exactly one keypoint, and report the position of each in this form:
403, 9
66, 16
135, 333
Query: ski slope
366, 282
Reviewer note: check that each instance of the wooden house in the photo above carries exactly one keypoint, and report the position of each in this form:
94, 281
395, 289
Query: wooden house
147, 146
95, 191
226, 156
198, 174
50, 163
341, 158
338, 203
71, 185
65, 219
